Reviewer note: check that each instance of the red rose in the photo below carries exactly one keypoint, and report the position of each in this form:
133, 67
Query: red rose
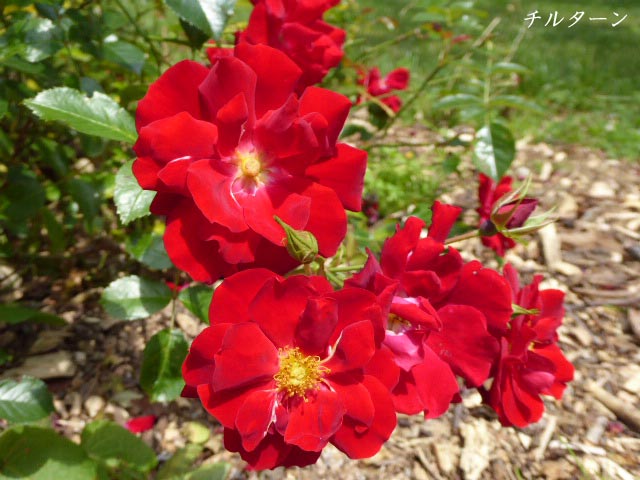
229, 147
298, 30
530, 362
547, 304
440, 315
526, 371
289, 365
377, 86
427, 268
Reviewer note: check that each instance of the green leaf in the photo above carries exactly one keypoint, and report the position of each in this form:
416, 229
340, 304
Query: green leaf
197, 299
41, 454
210, 16
149, 249
215, 471
55, 155
25, 401
131, 200
459, 100
161, 372
515, 101
195, 36
450, 164
125, 54
4, 107
87, 196
5, 357
43, 39
10, 313
25, 197
98, 115
494, 150
180, 463
117, 448
351, 129
509, 67
17, 63
55, 232
33, 39
133, 297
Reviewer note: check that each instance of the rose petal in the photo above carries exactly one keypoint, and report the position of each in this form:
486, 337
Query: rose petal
344, 174
254, 417
246, 356
312, 423
175, 91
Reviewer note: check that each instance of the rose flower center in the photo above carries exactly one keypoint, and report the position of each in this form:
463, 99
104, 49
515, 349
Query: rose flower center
396, 323
250, 164
298, 373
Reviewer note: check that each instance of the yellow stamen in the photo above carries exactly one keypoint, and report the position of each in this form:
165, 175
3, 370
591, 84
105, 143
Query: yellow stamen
396, 323
298, 373
250, 164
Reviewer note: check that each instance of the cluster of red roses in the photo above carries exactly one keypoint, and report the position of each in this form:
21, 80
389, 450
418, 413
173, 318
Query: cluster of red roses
288, 364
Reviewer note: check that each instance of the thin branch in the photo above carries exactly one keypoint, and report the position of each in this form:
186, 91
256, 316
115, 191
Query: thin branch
154, 51
464, 236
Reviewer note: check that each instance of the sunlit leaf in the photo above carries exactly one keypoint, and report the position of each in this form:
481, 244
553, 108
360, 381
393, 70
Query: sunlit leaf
494, 150
210, 16
98, 115
131, 200
148, 248
125, 54
161, 373
197, 299
134, 297
25, 401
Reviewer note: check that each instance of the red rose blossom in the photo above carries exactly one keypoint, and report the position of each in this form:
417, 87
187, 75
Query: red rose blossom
289, 365
229, 147
440, 313
378, 86
530, 363
296, 28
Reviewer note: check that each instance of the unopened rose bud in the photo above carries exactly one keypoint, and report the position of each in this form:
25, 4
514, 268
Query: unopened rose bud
514, 214
301, 245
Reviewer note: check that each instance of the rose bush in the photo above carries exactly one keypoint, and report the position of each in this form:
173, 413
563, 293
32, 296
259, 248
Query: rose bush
244, 163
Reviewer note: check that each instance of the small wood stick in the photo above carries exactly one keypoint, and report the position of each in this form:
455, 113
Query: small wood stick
545, 438
625, 412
